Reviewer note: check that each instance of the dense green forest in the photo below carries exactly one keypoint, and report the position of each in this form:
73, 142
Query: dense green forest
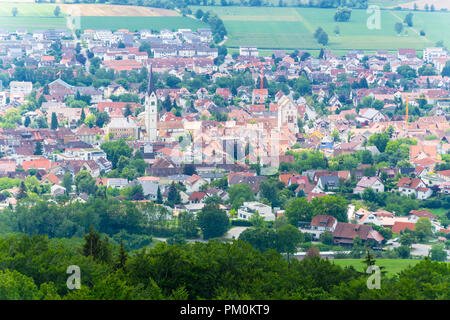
35, 268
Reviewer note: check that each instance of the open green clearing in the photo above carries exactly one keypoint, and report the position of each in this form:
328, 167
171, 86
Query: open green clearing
30, 16
27, 9
293, 28
392, 266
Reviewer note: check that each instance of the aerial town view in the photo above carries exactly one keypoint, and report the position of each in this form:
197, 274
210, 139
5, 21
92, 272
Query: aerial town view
224, 150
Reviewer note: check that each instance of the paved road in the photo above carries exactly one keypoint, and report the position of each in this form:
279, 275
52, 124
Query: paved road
187, 240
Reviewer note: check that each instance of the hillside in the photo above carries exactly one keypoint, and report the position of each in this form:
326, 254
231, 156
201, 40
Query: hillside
293, 28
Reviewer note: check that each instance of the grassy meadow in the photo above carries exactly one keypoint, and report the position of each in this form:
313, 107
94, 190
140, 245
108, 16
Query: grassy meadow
34, 16
27, 9
392, 266
293, 28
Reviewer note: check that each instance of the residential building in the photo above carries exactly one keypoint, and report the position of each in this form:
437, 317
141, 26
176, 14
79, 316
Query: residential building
248, 209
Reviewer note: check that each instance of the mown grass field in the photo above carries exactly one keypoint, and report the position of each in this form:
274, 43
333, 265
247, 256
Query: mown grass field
139, 23
392, 266
26, 9
293, 28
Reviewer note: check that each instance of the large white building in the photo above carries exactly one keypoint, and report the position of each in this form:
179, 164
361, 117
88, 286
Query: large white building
287, 113
151, 110
430, 53
249, 51
23, 87
248, 209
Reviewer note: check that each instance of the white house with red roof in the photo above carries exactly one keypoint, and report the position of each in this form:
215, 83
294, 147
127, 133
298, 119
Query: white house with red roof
193, 183
409, 186
365, 217
369, 182
319, 224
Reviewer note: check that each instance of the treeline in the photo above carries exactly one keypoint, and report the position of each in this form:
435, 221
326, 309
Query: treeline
183, 4
217, 27
35, 268
130, 222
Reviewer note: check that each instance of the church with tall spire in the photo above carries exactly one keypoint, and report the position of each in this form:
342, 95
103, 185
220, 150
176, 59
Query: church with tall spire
151, 110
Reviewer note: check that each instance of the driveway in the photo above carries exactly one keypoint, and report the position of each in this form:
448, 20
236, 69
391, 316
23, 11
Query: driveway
234, 232
418, 249
350, 212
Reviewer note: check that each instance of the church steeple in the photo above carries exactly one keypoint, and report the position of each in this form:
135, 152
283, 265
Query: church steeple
151, 85
151, 109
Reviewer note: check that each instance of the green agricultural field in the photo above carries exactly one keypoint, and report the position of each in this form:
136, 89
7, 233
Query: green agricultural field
293, 28
27, 9
392, 266
32, 23
139, 23
387, 3
30, 16
34, 16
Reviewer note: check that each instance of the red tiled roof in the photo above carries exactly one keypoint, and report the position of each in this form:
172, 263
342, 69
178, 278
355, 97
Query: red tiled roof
284, 177
401, 226
248, 174
350, 231
36, 164
423, 214
197, 196
323, 221
313, 195
257, 108
52, 178
444, 173
409, 183
224, 92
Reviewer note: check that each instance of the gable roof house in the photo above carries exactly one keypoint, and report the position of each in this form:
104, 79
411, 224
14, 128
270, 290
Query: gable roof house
401, 226
248, 209
57, 190
319, 224
218, 192
365, 217
197, 197
409, 186
151, 189
328, 182
369, 182
345, 233
36, 164
416, 214
252, 181
370, 115
163, 167
193, 183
